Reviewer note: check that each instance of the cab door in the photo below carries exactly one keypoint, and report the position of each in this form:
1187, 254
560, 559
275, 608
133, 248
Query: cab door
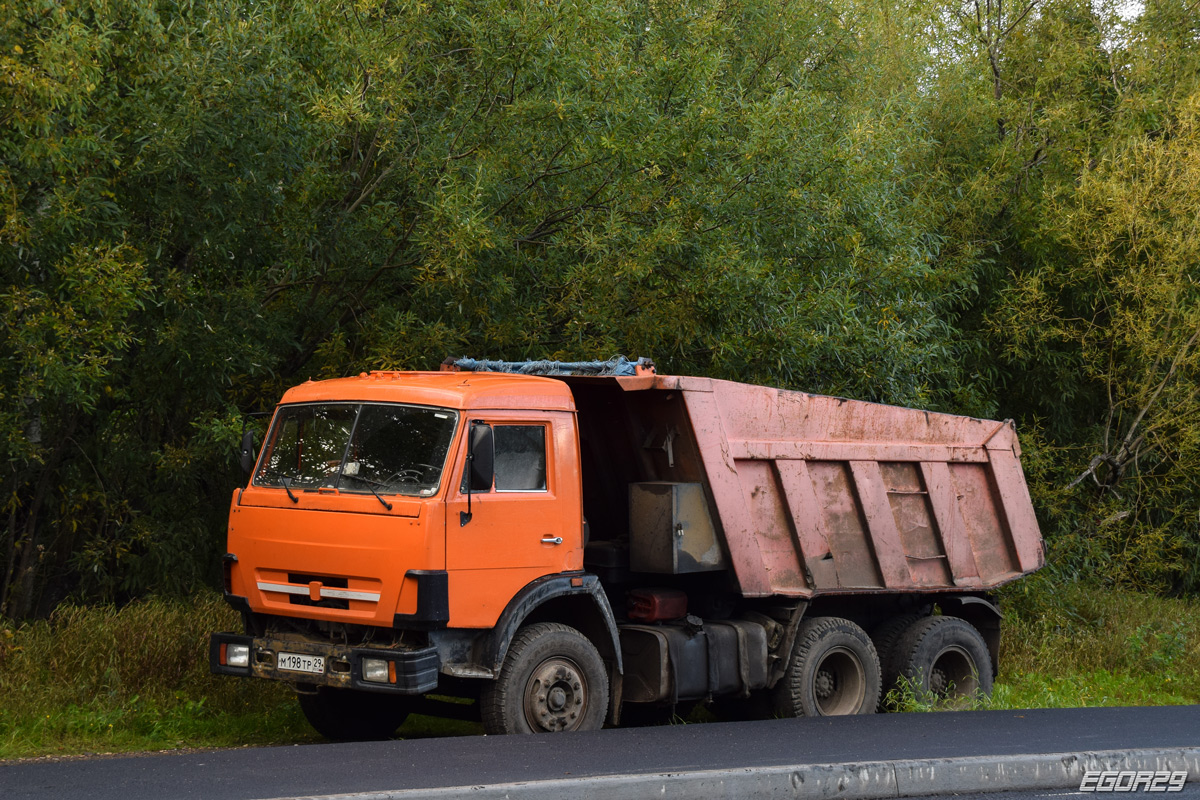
528, 521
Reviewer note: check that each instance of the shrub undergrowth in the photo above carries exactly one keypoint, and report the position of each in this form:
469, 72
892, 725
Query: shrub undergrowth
102, 679
1072, 644
1075, 644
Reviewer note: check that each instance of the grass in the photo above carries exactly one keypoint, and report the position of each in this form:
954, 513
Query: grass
102, 680
1079, 645
1075, 645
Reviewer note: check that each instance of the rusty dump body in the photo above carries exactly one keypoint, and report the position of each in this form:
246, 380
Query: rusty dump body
812, 495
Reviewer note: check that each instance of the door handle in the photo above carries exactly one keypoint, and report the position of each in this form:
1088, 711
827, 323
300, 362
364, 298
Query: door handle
551, 540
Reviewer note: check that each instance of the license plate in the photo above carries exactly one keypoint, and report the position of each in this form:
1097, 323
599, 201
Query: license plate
294, 662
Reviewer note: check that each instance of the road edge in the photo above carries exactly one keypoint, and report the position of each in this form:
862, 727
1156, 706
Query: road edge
870, 780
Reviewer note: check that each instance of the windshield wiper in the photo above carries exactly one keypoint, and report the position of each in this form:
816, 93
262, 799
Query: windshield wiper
284, 480
386, 504
368, 482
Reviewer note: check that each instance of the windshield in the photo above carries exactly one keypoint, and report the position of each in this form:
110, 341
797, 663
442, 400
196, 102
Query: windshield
358, 447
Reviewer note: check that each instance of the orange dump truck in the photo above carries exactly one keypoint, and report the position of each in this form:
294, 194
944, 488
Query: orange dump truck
565, 549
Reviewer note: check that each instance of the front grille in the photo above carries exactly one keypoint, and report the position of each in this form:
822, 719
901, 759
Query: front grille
325, 602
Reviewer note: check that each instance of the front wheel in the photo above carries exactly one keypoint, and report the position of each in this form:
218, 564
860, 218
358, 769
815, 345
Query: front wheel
553, 679
346, 715
834, 671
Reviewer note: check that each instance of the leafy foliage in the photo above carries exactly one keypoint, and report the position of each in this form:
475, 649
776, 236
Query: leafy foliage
1087, 314
206, 201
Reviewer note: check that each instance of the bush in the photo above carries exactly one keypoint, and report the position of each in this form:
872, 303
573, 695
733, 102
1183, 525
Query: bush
133, 678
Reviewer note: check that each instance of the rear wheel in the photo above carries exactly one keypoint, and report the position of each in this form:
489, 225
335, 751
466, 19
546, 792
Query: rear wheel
945, 661
834, 671
553, 679
886, 636
345, 715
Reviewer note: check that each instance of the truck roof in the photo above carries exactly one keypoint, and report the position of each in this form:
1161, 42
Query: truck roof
460, 390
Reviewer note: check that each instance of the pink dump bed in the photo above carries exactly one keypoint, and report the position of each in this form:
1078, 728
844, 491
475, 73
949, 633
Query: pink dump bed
818, 494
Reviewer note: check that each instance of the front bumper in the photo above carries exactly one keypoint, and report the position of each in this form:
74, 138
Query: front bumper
416, 671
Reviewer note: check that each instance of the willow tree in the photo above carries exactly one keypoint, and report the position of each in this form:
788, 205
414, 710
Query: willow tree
1066, 145
1125, 300
208, 201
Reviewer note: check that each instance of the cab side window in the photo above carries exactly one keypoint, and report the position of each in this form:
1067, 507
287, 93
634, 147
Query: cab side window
520, 458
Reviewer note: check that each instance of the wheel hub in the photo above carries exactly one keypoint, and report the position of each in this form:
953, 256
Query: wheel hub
556, 696
824, 685
838, 682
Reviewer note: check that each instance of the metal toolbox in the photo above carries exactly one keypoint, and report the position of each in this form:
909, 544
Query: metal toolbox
670, 529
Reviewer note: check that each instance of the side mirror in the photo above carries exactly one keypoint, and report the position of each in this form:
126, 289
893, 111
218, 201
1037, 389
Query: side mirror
248, 456
482, 458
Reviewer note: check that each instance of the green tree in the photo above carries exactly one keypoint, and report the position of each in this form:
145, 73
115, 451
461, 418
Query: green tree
207, 202
1065, 145
1125, 301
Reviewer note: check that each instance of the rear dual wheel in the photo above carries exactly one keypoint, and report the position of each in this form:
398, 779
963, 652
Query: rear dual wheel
886, 636
834, 671
945, 661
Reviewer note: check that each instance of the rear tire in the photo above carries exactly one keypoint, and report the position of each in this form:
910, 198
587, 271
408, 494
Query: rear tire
946, 661
834, 671
346, 715
886, 636
553, 679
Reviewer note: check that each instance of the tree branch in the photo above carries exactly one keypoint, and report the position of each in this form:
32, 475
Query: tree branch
1117, 462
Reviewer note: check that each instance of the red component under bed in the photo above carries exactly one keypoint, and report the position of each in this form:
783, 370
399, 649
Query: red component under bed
657, 605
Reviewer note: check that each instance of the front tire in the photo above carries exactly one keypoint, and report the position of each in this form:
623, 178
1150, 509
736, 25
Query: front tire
834, 671
553, 680
346, 715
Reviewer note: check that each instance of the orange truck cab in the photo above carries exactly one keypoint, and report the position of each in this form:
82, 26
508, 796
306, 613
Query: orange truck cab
562, 549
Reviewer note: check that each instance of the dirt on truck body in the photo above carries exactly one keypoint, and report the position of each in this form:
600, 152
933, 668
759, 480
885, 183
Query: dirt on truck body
574, 548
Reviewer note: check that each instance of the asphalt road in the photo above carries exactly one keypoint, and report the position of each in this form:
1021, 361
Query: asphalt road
307, 770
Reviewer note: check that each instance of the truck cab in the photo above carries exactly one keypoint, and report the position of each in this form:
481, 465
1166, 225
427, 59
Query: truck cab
362, 522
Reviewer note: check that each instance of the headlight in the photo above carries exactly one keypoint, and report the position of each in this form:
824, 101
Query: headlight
375, 670
237, 655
